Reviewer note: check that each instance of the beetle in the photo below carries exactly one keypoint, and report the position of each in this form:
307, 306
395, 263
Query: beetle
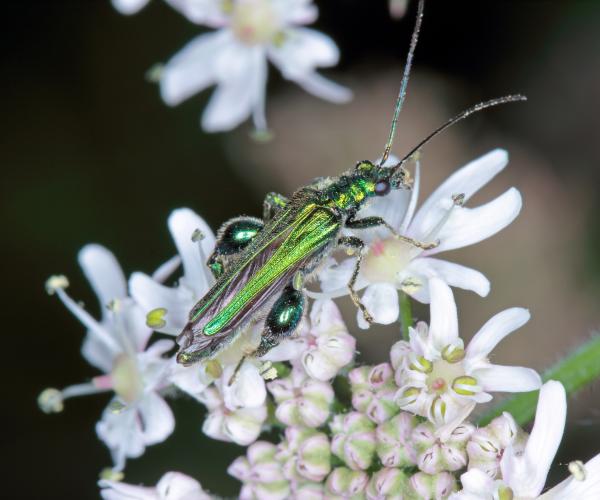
260, 265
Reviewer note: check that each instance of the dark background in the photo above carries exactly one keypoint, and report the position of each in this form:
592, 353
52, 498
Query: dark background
90, 153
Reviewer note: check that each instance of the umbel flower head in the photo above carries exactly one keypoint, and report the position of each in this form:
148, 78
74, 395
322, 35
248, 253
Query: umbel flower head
118, 346
439, 378
249, 34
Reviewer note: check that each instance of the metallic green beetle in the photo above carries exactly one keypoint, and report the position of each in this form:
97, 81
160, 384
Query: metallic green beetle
260, 265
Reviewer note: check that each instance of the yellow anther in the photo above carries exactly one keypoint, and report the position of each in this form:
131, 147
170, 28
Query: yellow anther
577, 470
438, 407
213, 368
197, 235
459, 385
422, 365
156, 318
111, 475
505, 493
453, 354
51, 401
56, 282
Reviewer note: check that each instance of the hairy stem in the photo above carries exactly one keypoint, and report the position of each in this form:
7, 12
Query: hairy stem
578, 369
406, 318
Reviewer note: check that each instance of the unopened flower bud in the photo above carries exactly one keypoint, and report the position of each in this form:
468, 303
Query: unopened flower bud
353, 440
301, 400
388, 483
373, 391
433, 486
487, 444
398, 352
314, 458
394, 443
435, 455
346, 482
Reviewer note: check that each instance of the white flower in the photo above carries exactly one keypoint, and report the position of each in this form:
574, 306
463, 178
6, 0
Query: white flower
138, 416
392, 264
172, 486
323, 347
241, 425
251, 32
524, 473
441, 380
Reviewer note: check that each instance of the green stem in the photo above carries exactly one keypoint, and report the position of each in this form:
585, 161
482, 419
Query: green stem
575, 371
406, 318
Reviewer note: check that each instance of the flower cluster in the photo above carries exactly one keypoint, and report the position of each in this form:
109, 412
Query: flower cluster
399, 429
248, 34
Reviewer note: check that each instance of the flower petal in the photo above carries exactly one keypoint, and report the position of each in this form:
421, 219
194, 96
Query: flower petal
453, 274
128, 7
322, 87
152, 295
104, 273
467, 226
414, 198
158, 421
115, 490
247, 390
178, 486
193, 68
391, 208
467, 180
498, 378
526, 473
242, 77
182, 224
122, 434
477, 482
303, 50
443, 322
381, 300
495, 329
205, 12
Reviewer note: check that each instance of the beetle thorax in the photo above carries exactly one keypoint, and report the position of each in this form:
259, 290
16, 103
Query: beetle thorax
350, 192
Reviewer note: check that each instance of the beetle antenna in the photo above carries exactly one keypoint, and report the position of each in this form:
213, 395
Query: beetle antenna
461, 116
402, 93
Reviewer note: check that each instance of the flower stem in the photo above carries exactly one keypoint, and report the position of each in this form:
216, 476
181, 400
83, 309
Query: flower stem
578, 369
406, 318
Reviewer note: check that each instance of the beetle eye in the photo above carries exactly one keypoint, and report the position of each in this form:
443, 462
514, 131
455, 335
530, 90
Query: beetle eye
382, 188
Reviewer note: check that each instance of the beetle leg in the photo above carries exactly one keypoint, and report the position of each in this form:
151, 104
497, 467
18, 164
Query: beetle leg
282, 320
356, 244
272, 204
369, 222
236, 371
232, 238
